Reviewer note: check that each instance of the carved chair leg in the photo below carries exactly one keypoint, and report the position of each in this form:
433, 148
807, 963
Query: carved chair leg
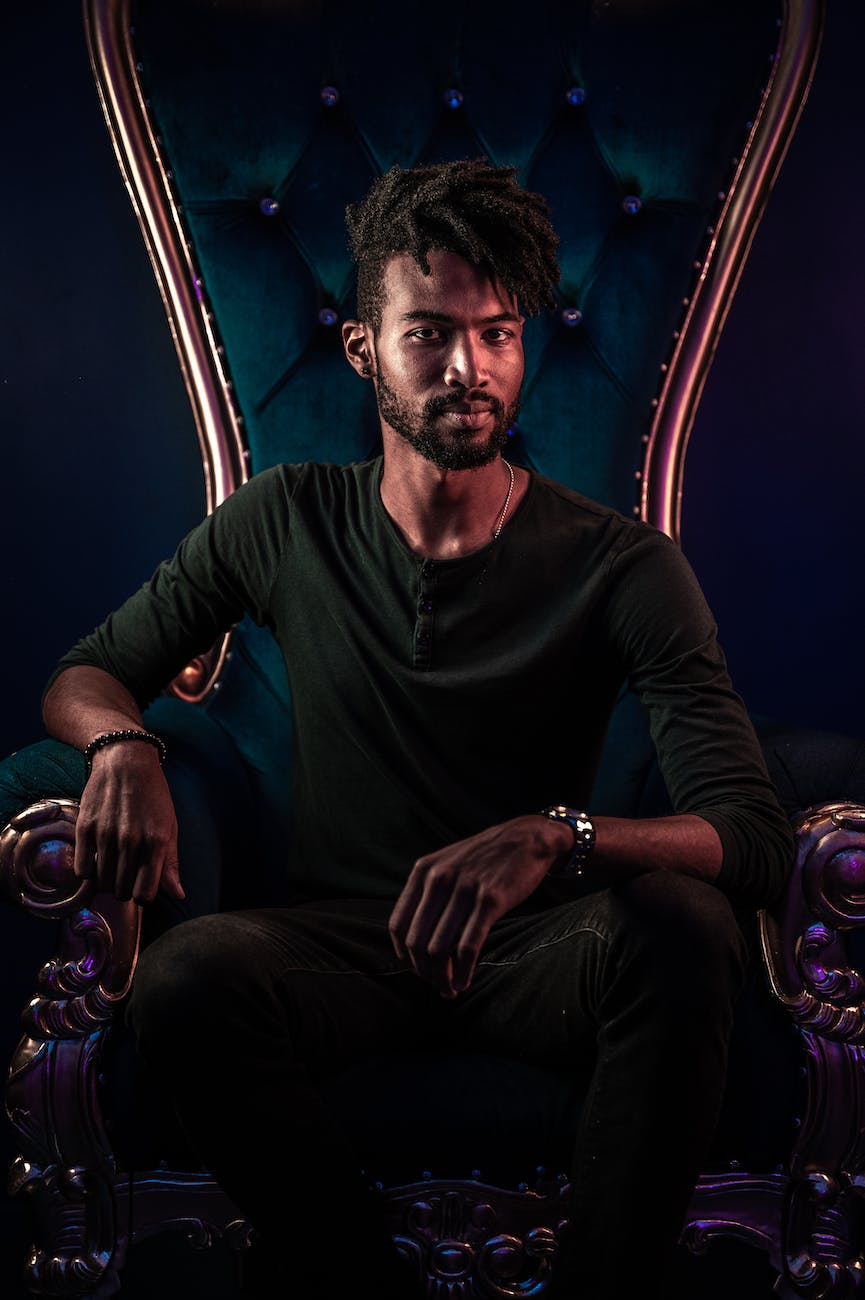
65, 1168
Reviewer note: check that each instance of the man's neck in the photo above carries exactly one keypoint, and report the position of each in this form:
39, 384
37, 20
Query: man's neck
443, 514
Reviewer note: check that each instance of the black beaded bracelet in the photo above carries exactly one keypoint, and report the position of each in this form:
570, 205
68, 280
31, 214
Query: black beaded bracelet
111, 737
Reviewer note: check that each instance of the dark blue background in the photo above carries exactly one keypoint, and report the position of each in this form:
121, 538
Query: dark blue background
101, 473
100, 470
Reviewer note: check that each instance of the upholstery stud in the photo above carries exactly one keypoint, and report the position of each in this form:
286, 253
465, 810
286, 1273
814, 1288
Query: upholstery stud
453, 98
572, 316
575, 96
329, 96
269, 206
327, 316
631, 204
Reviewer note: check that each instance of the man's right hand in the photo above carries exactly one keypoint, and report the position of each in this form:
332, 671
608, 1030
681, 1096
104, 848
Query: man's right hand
126, 835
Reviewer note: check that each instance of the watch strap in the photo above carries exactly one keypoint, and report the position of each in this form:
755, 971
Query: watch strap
584, 839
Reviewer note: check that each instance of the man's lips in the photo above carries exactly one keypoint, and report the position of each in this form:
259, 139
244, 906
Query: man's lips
469, 414
468, 417
470, 408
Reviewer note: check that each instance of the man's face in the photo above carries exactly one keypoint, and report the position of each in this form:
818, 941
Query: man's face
448, 360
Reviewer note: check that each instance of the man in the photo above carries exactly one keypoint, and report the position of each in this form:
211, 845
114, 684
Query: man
455, 631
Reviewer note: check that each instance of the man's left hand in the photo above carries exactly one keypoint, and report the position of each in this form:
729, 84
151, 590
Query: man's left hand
452, 897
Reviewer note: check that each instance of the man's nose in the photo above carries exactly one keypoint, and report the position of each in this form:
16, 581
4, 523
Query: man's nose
465, 367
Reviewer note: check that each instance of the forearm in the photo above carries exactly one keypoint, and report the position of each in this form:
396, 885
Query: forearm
126, 833
684, 843
83, 702
453, 896
624, 847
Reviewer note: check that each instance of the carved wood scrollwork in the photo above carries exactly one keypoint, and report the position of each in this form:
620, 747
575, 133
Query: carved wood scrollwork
79, 989
66, 1166
454, 1234
36, 852
806, 949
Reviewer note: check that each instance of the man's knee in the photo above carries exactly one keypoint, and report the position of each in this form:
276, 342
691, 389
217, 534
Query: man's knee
187, 981
684, 933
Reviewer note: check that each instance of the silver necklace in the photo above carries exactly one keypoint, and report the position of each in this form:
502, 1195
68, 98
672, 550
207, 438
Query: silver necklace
500, 524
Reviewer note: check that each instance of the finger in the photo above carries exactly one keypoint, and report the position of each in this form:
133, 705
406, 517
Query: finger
403, 912
84, 859
147, 877
106, 864
127, 870
171, 877
446, 988
469, 947
429, 965
445, 939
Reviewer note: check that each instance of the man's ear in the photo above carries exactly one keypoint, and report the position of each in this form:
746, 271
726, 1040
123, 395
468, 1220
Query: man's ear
357, 341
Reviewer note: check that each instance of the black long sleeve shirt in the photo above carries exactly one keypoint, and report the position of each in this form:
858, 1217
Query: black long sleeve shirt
434, 698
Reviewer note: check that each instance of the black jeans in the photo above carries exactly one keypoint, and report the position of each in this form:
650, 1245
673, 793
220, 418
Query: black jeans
237, 1013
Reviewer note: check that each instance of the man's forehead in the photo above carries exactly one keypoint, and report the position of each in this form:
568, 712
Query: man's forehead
452, 280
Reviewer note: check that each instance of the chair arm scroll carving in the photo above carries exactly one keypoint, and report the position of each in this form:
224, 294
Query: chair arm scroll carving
78, 990
810, 968
804, 944
66, 1166
36, 860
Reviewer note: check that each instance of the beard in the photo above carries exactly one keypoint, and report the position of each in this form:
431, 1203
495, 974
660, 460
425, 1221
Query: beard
457, 451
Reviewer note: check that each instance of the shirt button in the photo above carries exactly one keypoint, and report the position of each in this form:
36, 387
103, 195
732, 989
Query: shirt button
423, 636
426, 606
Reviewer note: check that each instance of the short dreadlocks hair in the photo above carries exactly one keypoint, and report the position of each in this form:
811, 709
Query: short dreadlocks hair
467, 207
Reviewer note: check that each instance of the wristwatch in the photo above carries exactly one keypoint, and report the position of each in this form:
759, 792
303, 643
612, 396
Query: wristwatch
584, 840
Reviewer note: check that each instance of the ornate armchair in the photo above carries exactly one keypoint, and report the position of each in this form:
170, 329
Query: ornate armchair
241, 132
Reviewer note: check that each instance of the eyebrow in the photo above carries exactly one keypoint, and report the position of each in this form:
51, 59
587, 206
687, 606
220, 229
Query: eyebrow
444, 319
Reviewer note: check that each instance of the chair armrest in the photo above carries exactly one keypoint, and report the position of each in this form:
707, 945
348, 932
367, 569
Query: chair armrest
805, 939
80, 988
806, 948
65, 1163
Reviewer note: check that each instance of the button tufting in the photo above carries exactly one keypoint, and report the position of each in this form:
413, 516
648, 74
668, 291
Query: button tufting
327, 316
575, 95
572, 316
631, 204
453, 98
269, 206
329, 96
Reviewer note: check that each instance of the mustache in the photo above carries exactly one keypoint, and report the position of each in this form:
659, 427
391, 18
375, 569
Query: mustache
439, 405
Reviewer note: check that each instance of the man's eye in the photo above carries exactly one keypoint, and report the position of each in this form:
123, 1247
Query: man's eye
497, 335
426, 334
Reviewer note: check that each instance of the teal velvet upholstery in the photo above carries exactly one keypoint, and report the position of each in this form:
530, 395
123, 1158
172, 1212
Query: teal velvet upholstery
263, 169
